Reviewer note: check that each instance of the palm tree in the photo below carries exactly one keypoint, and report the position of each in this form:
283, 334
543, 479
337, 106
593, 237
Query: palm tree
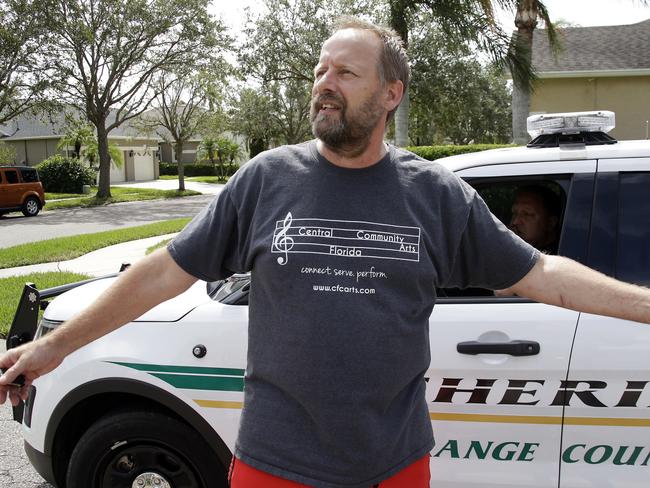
526, 18
471, 21
78, 134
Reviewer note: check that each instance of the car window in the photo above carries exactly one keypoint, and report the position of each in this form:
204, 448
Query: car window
500, 194
29, 175
11, 176
633, 242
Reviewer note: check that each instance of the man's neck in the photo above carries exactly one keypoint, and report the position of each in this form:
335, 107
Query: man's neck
372, 154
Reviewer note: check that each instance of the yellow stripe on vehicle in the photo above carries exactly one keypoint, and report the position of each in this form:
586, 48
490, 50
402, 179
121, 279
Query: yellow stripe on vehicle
535, 419
219, 404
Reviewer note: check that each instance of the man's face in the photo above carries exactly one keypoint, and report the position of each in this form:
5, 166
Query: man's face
346, 97
531, 221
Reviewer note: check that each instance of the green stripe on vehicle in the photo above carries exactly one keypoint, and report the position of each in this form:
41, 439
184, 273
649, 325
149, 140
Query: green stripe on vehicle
181, 369
198, 382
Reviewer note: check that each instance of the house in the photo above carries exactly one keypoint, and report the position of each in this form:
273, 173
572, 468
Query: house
35, 137
599, 68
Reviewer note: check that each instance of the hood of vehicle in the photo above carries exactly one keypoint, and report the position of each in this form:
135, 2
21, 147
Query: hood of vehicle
72, 302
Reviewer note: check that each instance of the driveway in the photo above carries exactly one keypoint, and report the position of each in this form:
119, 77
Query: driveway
16, 229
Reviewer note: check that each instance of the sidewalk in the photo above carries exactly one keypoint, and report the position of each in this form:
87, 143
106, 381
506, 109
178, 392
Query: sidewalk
97, 263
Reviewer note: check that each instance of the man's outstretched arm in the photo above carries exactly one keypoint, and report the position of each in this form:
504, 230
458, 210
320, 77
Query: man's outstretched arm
560, 281
144, 285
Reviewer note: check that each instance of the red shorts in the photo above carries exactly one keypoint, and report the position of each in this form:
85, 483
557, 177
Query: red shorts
415, 475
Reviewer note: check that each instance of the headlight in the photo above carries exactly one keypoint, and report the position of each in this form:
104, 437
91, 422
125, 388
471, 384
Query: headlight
46, 326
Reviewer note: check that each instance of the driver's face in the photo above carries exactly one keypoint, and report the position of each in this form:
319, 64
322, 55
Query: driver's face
531, 221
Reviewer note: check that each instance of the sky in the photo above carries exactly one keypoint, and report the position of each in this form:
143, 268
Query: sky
579, 12
593, 12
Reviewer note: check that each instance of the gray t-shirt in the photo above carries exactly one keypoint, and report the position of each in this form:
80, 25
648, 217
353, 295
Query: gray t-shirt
345, 265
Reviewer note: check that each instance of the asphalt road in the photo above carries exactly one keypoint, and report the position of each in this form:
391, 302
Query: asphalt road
16, 229
15, 469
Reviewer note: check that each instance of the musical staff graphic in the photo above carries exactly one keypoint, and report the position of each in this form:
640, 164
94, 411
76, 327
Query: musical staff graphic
345, 238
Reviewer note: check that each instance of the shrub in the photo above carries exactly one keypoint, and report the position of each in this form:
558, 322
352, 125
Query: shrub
197, 169
65, 175
436, 152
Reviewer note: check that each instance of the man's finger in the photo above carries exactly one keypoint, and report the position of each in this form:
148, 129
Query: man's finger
10, 377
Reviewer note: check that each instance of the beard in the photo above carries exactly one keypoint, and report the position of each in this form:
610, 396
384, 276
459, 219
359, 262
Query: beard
347, 132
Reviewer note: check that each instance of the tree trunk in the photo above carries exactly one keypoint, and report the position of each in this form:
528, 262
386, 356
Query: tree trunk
402, 122
520, 112
521, 91
399, 22
181, 168
525, 21
104, 188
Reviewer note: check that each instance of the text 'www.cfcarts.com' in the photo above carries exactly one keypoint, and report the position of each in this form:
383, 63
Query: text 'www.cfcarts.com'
344, 289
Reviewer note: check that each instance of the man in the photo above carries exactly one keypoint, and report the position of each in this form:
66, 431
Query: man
536, 217
347, 239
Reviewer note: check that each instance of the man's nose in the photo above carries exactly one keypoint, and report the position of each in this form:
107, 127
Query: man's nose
514, 220
324, 83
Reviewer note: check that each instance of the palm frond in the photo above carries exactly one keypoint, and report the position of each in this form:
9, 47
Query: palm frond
552, 35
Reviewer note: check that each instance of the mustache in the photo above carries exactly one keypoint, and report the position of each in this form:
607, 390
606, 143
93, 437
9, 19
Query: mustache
319, 100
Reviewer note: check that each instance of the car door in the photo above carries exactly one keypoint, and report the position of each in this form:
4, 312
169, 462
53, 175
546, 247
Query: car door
606, 440
13, 189
496, 416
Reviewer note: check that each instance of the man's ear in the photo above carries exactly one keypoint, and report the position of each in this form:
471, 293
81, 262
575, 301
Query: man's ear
394, 91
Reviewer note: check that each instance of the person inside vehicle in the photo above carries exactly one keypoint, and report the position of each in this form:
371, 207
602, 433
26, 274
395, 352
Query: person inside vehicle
536, 217
334, 390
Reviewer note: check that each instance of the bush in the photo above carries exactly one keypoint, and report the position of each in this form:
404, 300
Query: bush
197, 169
436, 152
65, 175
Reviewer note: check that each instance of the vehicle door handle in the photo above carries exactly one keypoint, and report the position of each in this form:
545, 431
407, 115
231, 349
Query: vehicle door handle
513, 348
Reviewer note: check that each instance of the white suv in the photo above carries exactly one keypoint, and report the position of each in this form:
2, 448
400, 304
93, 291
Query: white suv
520, 394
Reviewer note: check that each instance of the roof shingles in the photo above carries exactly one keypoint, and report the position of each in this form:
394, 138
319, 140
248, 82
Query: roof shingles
591, 49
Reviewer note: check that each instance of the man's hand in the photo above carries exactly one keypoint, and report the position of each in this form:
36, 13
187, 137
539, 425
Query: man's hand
28, 361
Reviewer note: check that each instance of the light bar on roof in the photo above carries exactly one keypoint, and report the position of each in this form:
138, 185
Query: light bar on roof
571, 123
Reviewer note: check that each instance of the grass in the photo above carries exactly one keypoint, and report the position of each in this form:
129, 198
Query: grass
54, 196
162, 243
64, 248
11, 289
202, 179
118, 194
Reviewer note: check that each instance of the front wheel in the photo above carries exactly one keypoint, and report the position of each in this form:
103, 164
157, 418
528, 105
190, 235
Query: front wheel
140, 449
31, 207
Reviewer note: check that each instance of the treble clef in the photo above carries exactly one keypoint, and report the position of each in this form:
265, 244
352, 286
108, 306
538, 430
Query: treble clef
282, 242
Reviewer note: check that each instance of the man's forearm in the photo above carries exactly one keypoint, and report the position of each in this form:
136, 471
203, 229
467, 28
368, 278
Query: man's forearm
146, 284
560, 281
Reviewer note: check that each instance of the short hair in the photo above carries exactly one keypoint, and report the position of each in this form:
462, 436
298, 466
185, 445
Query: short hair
550, 200
393, 60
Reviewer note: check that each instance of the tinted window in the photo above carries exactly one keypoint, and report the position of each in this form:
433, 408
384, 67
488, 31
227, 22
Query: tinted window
500, 193
29, 175
11, 176
633, 244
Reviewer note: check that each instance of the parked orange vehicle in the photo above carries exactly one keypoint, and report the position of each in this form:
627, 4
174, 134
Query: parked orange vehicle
20, 189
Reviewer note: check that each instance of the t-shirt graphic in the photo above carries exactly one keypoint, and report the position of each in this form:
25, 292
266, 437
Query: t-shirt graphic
346, 238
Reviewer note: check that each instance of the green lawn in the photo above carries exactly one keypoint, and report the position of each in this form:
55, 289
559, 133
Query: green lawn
118, 194
11, 289
64, 248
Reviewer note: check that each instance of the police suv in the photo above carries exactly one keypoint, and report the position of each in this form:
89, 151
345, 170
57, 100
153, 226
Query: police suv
520, 394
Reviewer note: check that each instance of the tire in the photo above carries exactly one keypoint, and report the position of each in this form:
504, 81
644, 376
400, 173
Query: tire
125, 448
31, 207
